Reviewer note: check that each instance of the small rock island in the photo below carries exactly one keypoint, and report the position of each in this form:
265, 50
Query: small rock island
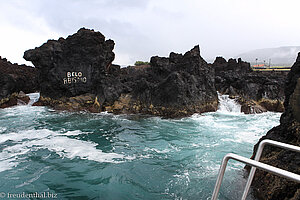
77, 73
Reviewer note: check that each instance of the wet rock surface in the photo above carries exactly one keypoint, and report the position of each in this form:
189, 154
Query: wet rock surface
81, 64
14, 99
265, 185
15, 78
256, 91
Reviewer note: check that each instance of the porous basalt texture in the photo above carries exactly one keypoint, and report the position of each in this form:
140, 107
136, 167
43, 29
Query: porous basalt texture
72, 66
257, 91
15, 78
177, 86
271, 187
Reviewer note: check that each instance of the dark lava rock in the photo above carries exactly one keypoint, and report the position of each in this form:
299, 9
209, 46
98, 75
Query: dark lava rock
14, 99
267, 186
13, 79
81, 66
257, 91
250, 106
176, 86
72, 66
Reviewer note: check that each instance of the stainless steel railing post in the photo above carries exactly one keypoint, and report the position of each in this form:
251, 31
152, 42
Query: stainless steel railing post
220, 177
253, 169
255, 164
257, 158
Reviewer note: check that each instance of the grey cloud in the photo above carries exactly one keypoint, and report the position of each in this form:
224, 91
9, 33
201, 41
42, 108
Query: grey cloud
142, 28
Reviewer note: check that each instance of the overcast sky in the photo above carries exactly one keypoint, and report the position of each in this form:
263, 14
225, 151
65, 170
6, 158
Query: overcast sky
144, 28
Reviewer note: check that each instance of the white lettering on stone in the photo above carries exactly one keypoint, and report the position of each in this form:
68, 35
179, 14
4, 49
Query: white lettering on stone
74, 77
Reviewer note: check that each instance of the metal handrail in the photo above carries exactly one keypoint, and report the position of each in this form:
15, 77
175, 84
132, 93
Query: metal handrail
255, 164
257, 158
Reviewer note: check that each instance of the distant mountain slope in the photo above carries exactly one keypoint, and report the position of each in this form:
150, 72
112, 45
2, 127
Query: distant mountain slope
279, 56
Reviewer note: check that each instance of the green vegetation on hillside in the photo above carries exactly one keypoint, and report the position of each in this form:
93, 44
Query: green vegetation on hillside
138, 63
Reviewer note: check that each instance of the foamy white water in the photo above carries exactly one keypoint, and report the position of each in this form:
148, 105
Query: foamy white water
65, 147
104, 156
228, 105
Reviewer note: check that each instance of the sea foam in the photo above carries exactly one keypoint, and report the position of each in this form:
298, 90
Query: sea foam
32, 140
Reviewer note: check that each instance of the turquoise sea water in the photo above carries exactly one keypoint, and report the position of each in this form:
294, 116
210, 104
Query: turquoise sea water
104, 156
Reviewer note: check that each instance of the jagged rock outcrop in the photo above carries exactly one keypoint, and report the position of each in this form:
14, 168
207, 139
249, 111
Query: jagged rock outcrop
255, 91
72, 66
80, 65
176, 86
271, 187
14, 79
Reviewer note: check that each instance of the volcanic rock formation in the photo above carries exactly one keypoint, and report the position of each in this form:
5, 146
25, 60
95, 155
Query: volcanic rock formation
14, 79
265, 185
72, 66
76, 73
255, 91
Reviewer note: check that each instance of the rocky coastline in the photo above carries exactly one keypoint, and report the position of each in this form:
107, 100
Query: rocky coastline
77, 74
15, 81
257, 92
265, 185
